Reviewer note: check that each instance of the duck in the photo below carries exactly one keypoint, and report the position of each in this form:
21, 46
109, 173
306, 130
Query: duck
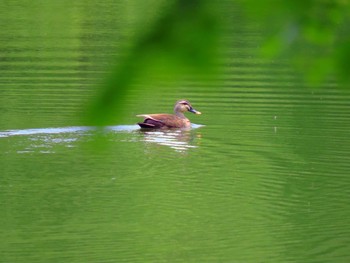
168, 121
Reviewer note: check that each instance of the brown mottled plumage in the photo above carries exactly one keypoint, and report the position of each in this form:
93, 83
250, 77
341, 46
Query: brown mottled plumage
162, 120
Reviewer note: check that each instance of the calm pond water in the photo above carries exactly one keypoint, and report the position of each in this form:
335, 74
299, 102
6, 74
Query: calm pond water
262, 176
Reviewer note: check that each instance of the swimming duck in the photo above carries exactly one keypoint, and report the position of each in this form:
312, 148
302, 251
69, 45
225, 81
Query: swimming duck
162, 120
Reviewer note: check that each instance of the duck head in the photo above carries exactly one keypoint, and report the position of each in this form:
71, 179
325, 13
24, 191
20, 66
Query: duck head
183, 106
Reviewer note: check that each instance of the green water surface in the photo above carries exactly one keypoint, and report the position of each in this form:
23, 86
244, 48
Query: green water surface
262, 177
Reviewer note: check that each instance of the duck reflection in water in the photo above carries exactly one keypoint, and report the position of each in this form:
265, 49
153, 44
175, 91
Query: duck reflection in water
178, 139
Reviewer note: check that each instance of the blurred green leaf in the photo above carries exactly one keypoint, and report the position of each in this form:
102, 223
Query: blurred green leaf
183, 40
310, 34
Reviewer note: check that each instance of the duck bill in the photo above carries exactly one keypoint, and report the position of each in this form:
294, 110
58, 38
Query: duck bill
194, 111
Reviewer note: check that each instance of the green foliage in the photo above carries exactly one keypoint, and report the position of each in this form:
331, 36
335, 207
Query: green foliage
183, 40
313, 35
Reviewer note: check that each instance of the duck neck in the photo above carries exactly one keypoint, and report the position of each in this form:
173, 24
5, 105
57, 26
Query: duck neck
180, 114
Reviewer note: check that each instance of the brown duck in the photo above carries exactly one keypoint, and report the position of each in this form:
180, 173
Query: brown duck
162, 120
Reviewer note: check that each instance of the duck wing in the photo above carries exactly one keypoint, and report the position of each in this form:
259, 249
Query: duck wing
160, 121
